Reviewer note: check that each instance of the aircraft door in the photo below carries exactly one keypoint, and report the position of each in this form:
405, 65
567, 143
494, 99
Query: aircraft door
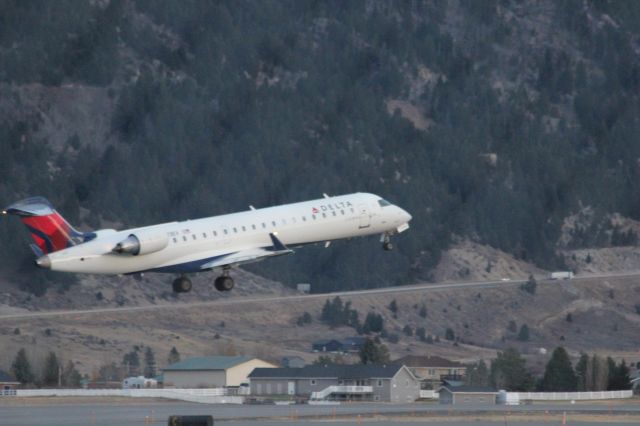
365, 217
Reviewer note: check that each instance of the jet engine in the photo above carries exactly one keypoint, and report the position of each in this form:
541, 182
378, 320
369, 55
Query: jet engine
141, 243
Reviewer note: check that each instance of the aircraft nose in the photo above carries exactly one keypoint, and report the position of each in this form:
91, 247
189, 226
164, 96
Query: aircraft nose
44, 262
405, 215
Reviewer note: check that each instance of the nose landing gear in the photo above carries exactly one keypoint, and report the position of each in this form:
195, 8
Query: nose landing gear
387, 245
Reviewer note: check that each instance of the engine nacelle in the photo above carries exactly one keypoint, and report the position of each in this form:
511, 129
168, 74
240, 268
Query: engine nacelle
142, 243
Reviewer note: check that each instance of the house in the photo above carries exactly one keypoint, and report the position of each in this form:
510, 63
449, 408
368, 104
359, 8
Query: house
139, 382
353, 344
8, 384
211, 371
391, 383
432, 371
292, 362
327, 346
459, 395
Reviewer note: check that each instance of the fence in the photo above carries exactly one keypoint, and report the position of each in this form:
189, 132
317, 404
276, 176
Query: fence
518, 397
206, 396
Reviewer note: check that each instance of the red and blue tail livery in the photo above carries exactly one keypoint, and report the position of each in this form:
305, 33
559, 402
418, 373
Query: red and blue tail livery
47, 227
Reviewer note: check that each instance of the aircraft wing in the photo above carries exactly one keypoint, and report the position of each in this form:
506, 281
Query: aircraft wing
250, 255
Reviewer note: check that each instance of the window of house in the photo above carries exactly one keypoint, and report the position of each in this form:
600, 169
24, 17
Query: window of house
352, 210
376, 398
313, 382
407, 383
258, 388
379, 383
340, 382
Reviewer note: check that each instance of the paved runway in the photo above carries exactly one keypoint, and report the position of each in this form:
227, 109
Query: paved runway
58, 412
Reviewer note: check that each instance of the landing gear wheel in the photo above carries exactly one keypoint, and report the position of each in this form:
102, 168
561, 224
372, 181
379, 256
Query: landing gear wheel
387, 246
182, 285
224, 283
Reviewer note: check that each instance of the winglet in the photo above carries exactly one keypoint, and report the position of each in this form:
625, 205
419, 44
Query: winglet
277, 244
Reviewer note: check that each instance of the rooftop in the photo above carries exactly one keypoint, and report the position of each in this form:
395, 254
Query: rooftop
208, 363
469, 389
428, 361
378, 371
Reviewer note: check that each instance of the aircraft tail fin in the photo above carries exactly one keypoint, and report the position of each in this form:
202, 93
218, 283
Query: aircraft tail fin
47, 227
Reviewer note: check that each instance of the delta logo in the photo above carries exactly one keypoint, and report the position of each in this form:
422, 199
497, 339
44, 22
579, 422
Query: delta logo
332, 206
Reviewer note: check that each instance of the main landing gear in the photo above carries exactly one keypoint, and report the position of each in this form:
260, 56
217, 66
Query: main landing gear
224, 282
387, 245
182, 284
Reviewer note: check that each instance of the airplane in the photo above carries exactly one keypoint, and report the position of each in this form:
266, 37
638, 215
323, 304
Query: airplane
215, 243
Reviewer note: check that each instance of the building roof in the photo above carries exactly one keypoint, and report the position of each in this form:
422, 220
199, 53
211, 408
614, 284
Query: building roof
208, 363
428, 361
377, 371
6, 377
469, 389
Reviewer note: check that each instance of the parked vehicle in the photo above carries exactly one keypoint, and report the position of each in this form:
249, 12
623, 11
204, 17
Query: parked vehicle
561, 275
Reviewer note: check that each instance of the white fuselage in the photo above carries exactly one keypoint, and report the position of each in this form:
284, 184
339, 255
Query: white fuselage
194, 243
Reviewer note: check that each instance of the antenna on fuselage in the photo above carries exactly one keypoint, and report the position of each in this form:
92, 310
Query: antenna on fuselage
325, 195
251, 207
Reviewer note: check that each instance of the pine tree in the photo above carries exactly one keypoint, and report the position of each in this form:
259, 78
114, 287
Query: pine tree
559, 375
478, 374
581, 373
523, 334
51, 370
174, 356
70, 376
373, 353
509, 372
149, 363
21, 368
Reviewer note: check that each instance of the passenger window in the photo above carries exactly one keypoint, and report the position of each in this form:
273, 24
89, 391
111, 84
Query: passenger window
284, 221
244, 229
204, 235
226, 232
273, 222
175, 240
184, 238
235, 230
215, 234
324, 215
193, 236
253, 227
334, 213
293, 220
304, 219
264, 225
342, 212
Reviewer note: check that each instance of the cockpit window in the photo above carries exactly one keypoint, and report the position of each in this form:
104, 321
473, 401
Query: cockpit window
383, 202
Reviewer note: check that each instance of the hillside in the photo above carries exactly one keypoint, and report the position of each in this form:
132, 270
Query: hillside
604, 320
496, 122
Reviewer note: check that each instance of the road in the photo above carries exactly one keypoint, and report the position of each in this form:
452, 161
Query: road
416, 288
58, 412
